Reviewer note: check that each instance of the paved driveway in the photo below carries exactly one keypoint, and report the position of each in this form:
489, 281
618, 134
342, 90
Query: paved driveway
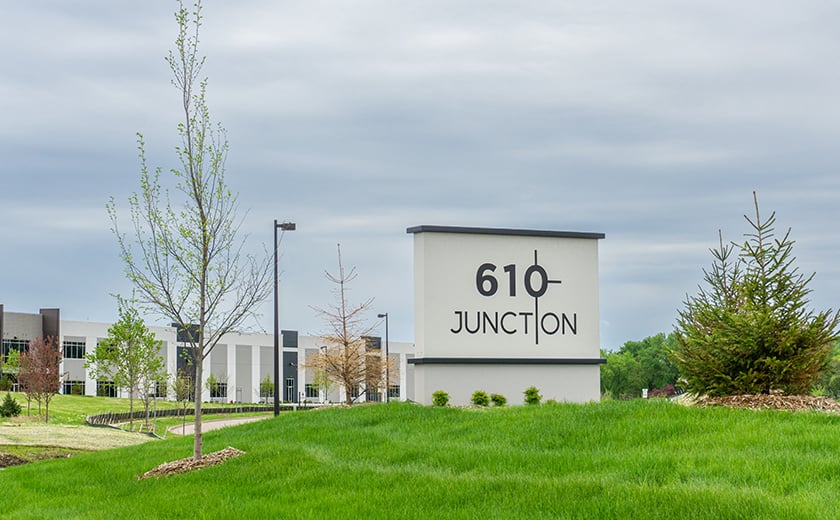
206, 426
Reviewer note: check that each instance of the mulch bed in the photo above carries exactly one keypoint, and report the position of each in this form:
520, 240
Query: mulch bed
189, 464
7, 459
794, 403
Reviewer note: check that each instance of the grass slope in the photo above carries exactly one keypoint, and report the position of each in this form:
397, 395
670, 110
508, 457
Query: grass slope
637, 459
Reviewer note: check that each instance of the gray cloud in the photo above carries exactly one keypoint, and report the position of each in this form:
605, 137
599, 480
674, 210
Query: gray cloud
650, 122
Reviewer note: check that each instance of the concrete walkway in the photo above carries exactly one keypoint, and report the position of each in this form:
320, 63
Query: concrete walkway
206, 426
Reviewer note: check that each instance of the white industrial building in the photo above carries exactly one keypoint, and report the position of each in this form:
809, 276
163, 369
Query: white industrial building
239, 362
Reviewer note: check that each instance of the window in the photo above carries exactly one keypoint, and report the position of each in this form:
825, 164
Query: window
290, 389
74, 349
311, 391
394, 391
21, 345
354, 392
220, 390
106, 389
73, 388
159, 389
374, 395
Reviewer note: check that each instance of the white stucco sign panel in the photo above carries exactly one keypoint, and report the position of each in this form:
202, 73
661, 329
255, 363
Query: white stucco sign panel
510, 296
502, 309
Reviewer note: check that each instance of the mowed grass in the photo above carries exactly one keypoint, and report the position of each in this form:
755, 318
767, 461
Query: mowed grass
73, 409
640, 459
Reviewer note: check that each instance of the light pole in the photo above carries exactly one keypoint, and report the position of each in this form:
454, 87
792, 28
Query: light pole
283, 226
387, 361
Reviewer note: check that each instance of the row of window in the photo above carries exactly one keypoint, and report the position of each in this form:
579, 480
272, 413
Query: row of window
72, 349
105, 389
312, 391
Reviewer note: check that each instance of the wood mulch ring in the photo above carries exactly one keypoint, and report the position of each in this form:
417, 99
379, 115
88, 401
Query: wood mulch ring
189, 464
794, 403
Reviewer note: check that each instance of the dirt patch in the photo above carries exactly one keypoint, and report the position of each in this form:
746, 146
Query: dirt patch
795, 403
7, 459
189, 464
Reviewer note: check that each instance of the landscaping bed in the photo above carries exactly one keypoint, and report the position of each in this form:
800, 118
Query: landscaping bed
795, 403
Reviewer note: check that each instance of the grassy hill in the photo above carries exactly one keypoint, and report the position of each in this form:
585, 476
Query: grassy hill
640, 459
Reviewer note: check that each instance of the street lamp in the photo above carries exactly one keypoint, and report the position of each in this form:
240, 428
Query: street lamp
283, 226
387, 361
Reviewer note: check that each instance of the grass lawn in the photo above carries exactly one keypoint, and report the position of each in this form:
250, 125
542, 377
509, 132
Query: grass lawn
67, 430
72, 409
638, 459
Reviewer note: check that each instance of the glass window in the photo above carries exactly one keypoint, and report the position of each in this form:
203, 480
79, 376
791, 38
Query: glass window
106, 389
74, 349
311, 391
220, 390
21, 345
290, 389
160, 389
73, 388
394, 391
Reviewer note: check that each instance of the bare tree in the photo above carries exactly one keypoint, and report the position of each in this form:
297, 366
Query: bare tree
187, 263
346, 359
39, 375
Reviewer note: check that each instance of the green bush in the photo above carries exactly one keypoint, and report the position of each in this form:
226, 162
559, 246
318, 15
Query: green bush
498, 399
6, 383
532, 395
440, 398
480, 398
9, 407
751, 331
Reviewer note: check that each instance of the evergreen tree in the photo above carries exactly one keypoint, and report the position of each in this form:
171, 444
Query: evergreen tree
752, 331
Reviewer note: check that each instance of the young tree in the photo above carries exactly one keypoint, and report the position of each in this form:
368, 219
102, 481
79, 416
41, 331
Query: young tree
345, 358
9, 370
189, 265
182, 388
266, 388
752, 331
322, 381
130, 357
39, 376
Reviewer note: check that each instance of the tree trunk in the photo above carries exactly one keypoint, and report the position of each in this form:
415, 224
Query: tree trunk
130, 410
197, 445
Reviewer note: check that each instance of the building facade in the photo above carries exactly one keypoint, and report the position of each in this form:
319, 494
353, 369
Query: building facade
239, 363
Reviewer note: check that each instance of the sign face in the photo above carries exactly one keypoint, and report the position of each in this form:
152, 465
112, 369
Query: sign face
505, 293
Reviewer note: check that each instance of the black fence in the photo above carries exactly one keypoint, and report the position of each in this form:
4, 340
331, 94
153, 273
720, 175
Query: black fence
112, 418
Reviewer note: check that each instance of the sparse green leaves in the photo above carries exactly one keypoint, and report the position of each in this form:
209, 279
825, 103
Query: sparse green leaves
189, 263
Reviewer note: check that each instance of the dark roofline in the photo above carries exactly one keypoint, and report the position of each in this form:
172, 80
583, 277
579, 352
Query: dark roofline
504, 231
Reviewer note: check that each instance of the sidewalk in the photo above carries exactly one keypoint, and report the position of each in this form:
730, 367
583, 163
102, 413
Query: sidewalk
206, 426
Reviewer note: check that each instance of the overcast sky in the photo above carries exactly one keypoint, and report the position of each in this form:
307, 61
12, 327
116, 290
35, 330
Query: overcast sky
649, 121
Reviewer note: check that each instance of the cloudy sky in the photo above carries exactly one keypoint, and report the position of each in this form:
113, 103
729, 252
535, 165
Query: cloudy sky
649, 121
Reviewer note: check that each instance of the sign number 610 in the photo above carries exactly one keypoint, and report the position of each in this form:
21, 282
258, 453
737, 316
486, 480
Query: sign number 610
535, 279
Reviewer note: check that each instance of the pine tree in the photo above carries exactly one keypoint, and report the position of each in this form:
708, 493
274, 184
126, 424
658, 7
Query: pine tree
752, 332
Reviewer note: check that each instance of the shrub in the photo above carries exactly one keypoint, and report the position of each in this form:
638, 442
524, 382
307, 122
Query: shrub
532, 395
498, 399
6, 383
9, 407
480, 398
751, 331
440, 398
668, 391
